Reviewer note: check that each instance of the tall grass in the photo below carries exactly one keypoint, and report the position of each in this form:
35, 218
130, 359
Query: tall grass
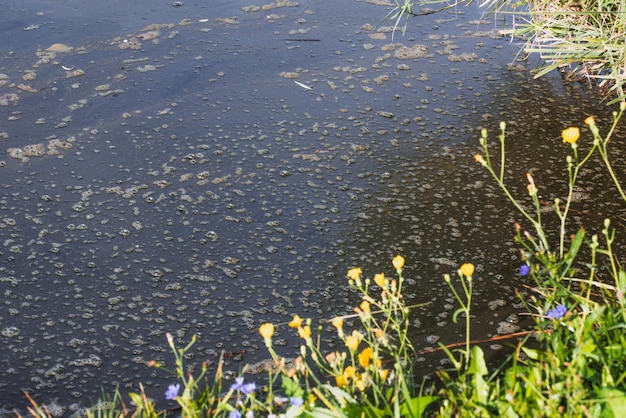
585, 39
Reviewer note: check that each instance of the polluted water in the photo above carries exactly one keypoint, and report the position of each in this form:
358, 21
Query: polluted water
200, 169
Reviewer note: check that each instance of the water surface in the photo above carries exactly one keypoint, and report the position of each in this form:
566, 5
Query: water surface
185, 184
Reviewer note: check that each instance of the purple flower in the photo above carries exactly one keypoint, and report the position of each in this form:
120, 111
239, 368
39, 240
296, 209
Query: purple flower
234, 414
248, 388
294, 401
524, 270
245, 388
172, 392
557, 312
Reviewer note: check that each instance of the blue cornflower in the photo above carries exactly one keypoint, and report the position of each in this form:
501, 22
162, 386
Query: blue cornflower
294, 401
172, 392
234, 414
246, 388
524, 270
557, 312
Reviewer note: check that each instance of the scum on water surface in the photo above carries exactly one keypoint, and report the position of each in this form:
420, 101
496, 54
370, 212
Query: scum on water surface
172, 178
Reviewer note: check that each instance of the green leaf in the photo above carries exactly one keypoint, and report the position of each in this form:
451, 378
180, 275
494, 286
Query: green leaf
533, 354
456, 314
366, 411
621, 275
576, 243
294, 411
455, 362
477, 363
136, 398
615, 405
318, 412
292, 388
341, 396
418, 405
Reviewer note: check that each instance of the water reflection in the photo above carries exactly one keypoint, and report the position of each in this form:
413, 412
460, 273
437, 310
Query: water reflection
199, 191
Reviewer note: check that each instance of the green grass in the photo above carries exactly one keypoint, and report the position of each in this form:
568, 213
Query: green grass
586, 39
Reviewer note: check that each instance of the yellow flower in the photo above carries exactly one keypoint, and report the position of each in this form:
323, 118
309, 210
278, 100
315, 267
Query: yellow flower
379, 279
398, 262
570, 135
341, 381
365, 306
338, 322
360, 384
383, 373
267, 331
381, 337
590, 121
355, 273
304, 332
353, 341
467, 269
349, 372
480, 159
365, 357
295, 322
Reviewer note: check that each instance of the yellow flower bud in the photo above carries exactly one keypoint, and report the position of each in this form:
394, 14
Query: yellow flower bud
365, 306
365, 357
532, 189
480, 159
341, 381
361, 385
355, 273
467, 269
379, 279
304, 332
331, 358
338, 322
570, 135
590, 121
353, 340
295, 322
398, 262
267, 331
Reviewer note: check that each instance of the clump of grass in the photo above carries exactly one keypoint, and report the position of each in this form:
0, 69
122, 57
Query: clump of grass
584, 38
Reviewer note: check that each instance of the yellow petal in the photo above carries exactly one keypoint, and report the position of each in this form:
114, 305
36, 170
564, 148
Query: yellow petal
338, 322
365, 306
304, 332
267, 330
365, 357
379, 279
467, 269
398, 262
570, 135
295, 322
355, 273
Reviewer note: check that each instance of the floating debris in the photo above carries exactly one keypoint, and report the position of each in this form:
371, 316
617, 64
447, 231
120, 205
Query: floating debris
59, 48
304, 86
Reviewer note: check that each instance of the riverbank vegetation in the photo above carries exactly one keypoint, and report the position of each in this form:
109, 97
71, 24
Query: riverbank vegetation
571, 363
584, 39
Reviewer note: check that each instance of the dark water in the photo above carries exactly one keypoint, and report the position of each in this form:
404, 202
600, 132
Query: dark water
197, 190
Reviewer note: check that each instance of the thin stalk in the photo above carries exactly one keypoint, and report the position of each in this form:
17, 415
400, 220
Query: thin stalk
572, 181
